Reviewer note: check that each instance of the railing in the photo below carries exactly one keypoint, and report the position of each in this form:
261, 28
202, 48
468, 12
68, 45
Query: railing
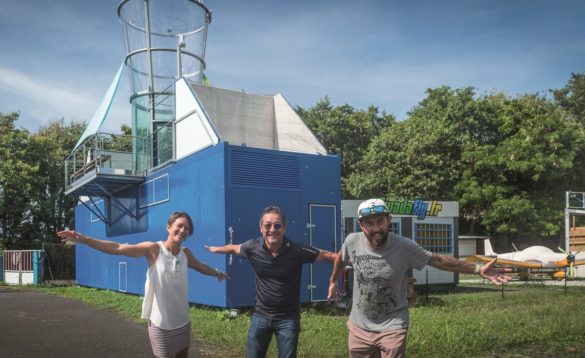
113, 154
105, 153
575, 200
129, 155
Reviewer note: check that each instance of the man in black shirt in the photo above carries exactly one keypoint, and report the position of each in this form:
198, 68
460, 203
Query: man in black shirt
277, 262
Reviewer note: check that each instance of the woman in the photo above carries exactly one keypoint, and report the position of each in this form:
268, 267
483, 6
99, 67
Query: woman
165, 304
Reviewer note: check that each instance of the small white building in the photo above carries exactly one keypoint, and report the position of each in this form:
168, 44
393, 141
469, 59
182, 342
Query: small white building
471, 245
432, 224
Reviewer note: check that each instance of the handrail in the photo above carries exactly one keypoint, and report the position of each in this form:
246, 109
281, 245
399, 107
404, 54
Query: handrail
124, 154
104, 150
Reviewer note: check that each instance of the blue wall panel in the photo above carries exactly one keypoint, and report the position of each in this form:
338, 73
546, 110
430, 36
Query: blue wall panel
198, 187
291, 181
220, 187
246, 205
91, 266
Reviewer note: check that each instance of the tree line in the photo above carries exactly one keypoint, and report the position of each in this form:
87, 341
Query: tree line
507, 160
33, 204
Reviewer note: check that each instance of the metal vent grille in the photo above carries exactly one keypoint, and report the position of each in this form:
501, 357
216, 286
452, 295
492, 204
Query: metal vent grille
265, 170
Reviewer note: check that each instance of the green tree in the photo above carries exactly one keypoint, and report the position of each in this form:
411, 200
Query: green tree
122, 142
572, 96
419, 157
344, 130
19, 176
516, 172
52, 209
505, 160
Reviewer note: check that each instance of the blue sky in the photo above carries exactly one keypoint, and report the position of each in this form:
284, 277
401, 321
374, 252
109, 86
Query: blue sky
58, 57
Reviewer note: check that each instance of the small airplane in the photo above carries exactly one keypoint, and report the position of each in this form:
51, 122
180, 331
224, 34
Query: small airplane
533, 257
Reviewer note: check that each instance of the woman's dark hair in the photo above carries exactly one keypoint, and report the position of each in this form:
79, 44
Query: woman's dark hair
273, 210
180, 214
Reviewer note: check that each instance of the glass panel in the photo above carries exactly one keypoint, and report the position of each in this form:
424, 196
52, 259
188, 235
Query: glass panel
434, 237
154, 191
98, 207
161, 189
142, 195
395, 228
141, 133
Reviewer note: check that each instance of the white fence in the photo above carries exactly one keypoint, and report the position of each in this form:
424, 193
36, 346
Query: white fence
23, 267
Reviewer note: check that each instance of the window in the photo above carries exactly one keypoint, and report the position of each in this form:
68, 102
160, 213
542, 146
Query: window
436, 238
154, 191
347, 226
395, 228
98, 206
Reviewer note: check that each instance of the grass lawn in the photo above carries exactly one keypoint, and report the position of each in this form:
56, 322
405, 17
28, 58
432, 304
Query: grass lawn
474, 321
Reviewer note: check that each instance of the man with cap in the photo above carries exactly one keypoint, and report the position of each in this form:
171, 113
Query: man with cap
378, 322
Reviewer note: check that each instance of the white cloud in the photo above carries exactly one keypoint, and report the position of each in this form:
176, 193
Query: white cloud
43, 93
361, 53
40, 100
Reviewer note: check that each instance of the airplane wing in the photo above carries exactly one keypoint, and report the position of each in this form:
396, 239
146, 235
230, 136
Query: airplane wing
567, 262
512, 263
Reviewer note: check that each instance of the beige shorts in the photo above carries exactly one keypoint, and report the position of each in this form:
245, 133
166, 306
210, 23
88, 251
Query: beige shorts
385, 344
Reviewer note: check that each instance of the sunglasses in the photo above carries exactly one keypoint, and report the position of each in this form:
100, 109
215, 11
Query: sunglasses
276, 226
373, 210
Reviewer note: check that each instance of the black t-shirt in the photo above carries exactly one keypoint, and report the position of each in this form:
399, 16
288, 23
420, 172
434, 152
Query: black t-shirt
278, 279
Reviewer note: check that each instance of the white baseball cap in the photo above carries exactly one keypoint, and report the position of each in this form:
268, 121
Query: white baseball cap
372, 207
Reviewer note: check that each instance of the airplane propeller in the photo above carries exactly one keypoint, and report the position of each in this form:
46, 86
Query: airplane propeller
571, 259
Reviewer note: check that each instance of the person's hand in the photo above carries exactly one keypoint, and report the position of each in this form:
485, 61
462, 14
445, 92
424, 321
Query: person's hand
333, 294
212, 249
222, 276
68, 236
496, 275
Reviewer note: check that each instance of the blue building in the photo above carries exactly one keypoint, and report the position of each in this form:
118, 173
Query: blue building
219, 155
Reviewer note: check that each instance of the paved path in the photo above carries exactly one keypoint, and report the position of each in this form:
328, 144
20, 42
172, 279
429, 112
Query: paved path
35, 324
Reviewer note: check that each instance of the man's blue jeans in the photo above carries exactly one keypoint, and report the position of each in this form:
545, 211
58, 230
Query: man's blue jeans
260, 333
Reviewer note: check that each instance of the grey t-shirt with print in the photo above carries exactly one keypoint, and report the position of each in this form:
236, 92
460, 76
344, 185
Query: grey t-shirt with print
379, 285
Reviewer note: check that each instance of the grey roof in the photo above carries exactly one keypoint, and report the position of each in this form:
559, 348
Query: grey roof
259, 121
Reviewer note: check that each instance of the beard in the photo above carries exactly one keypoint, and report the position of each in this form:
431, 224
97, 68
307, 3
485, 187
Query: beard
377, 239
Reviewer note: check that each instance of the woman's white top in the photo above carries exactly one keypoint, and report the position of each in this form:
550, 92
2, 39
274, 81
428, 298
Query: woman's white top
166, 290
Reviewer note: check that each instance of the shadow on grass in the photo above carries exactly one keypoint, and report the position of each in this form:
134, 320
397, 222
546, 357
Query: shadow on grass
421, 291
477, 289
326, 309
423, 299
432, 297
